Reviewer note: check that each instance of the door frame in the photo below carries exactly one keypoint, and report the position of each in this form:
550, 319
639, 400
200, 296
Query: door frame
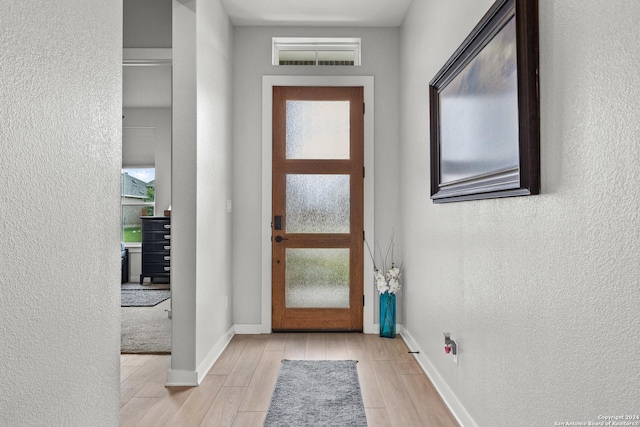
367, 82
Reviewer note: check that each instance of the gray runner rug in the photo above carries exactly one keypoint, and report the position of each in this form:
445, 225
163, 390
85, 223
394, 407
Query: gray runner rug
317, 393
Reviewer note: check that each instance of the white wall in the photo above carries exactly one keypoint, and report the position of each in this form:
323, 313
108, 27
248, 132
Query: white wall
214, 69
60, 126
380, 58
147, 23
184, 187
201, 184
541, 292
157, 153
160, 153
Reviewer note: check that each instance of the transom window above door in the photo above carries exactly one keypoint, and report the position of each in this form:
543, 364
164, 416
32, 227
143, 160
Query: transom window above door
316, 51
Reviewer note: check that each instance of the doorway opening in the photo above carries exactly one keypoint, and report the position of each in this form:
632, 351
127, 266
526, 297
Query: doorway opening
146, 322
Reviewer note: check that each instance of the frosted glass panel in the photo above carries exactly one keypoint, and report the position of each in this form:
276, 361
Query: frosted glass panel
318, 129
318, 204
317, 278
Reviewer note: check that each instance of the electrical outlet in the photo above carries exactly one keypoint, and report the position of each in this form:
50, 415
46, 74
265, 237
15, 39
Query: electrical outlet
451, 347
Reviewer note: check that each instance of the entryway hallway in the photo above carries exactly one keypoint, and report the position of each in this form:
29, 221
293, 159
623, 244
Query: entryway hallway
237, 390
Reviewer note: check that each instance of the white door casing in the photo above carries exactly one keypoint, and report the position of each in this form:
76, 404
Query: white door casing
267, 94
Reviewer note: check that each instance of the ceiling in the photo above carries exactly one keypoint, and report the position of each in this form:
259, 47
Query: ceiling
332, 13
150, 86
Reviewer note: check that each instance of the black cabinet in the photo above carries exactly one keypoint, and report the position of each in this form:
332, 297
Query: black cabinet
156, 247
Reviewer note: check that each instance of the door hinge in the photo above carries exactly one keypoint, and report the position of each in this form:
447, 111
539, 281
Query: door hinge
363, 172
363, 300
363, 237
363, 107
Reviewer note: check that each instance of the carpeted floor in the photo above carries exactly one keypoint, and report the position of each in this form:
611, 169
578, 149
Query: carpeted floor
317, 393
146, 329
143, 298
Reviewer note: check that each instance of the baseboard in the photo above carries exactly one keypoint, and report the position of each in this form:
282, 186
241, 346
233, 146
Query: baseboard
247, 328
214, 354
448, 396
194, 378
250, 328
181, 378
376, 329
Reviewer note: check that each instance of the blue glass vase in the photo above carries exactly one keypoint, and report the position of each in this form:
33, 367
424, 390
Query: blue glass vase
388, 315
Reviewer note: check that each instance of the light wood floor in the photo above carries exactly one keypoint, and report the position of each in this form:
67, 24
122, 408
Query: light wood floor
237, 390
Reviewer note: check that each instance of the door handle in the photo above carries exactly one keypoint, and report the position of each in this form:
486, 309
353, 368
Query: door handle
280, 239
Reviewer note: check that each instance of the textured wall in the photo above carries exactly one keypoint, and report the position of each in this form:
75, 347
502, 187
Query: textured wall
60, 97
252, 60
541, 292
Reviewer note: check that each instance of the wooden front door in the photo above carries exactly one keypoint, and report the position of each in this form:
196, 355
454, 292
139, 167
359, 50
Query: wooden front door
317, 228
